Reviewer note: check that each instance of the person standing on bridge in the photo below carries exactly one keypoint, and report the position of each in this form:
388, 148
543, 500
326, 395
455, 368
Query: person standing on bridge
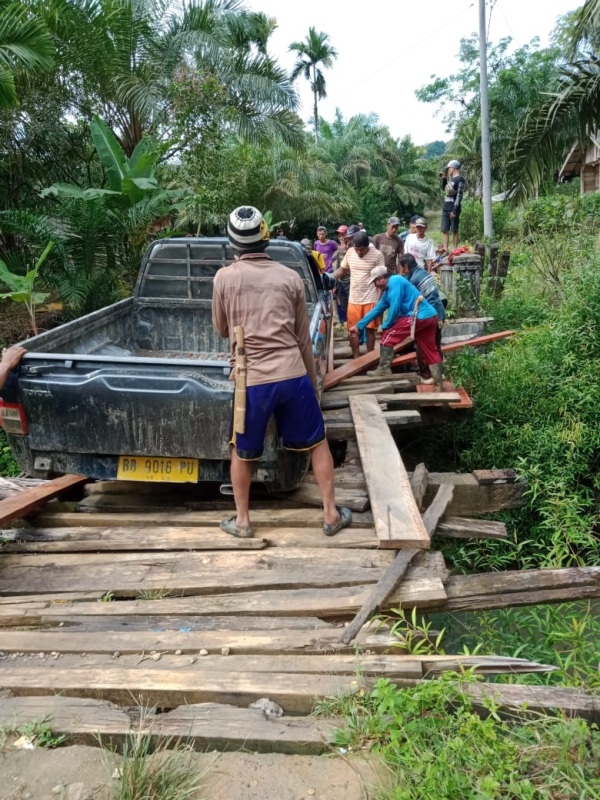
407, 309
267, 300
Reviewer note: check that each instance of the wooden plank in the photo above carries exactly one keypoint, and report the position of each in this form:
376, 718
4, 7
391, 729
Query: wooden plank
482, 665
345, 391
344, 430
324, 603
193, 574
295, 693
486, 476
309, 494
536, 699
464, 528
87, 623
401, 380
354, 367
418, 484
520, 587
470, 499
437, 509
190, 573
395, 514
273, 518
281, 641
21, 504
479, 341
74, 540
81, 540
209, 726
431, 398
379, 594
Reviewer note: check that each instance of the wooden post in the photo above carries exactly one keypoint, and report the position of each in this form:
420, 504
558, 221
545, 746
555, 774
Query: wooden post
493, 268
480, 250
501, 273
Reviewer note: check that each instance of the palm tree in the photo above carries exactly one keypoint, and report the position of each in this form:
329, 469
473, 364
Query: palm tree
314, 55
25, 45
140, 49
571, 112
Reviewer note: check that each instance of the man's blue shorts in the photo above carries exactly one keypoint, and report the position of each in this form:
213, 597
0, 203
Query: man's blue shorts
297, 413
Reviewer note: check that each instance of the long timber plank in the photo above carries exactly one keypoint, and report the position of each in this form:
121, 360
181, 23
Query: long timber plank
21, 504
275, 518
397, 519
245, 643
478, 341
118, 539
536, 699
295, 693
206, 726
192, 574
322, 603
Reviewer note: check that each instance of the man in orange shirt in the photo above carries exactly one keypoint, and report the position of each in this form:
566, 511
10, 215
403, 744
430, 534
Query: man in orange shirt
359, 261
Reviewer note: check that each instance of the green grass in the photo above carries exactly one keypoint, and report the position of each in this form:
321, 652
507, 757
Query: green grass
438, 748
164, 772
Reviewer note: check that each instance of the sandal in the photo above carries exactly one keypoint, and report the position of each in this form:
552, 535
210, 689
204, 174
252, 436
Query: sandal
331, 528
229, 526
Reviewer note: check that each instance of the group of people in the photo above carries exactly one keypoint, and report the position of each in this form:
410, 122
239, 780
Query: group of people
385, 282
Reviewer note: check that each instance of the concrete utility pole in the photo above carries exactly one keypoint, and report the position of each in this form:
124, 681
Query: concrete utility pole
488, 227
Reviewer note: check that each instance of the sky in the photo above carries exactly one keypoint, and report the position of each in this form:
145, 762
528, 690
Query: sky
387, 50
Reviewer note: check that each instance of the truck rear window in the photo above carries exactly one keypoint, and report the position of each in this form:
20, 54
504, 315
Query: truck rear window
183, 269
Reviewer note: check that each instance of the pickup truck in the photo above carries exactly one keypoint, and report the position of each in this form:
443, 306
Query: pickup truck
140, 390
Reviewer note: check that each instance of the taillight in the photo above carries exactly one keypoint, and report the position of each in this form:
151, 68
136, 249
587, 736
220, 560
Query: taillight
12, 418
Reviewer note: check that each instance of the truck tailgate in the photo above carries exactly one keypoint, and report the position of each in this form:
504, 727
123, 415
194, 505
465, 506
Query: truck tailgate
152, 408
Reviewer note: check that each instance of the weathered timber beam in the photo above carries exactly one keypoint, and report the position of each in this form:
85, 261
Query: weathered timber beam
395, 514
491, 590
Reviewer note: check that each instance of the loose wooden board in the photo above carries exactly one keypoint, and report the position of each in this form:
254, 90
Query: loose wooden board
23, 503
207, 726
261, 519
478, 341
81, 540
324, 603
282, 641
342, 430
295, 693
396, 517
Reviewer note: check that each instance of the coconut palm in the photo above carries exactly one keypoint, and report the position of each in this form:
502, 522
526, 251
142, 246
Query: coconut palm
314, 54
571, 112
25, 45
140, 47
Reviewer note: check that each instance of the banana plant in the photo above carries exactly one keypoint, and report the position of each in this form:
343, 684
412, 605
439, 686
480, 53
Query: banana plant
23, 286
130, 180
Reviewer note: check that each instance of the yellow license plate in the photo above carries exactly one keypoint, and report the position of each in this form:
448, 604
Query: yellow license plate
166, 470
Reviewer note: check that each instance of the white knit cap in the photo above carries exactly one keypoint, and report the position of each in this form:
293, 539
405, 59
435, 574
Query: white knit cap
247, 230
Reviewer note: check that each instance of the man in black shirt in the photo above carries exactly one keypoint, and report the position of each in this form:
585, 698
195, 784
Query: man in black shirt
453, 185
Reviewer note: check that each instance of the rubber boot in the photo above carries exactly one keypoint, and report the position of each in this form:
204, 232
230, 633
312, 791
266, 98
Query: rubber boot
386, 356
437, 374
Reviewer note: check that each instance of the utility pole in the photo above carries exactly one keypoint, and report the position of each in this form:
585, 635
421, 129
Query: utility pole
488, 227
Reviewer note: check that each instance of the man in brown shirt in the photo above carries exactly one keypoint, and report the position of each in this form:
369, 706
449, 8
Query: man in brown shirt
267, 300
390, 244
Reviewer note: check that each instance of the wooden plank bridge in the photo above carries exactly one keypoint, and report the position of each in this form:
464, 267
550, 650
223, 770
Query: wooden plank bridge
129, 595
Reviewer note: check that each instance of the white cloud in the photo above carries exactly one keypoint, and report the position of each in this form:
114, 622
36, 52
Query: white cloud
387, 50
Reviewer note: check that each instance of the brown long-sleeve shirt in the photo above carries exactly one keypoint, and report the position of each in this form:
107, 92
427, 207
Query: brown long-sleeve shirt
267, 300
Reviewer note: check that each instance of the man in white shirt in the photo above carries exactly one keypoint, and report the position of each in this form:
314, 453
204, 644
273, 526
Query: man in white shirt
420, 245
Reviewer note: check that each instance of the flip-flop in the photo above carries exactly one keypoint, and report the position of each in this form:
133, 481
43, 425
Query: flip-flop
229, 526
331, 528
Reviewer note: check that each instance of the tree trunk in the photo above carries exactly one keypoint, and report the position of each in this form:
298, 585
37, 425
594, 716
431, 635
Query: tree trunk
315, 109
